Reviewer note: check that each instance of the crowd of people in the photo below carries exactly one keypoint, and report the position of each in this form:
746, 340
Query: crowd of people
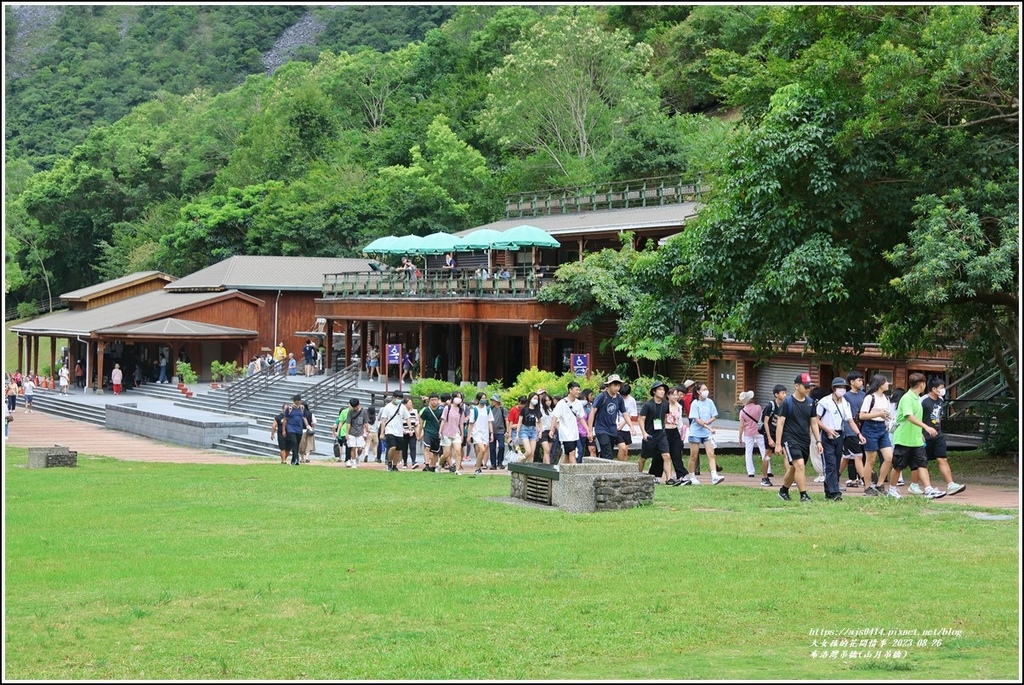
844, 428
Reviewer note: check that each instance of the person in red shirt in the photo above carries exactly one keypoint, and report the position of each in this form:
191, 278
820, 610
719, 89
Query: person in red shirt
513, 421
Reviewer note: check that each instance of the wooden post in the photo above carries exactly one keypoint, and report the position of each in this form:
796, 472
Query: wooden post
21, 353
348, 343
35, 353
53, 358
465, 349
329, 346
424, 358
534, 347
482, 353
99, 367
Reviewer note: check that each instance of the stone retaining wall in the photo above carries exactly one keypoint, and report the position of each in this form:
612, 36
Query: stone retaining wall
594, 485
175, 429
49, 457
623, 491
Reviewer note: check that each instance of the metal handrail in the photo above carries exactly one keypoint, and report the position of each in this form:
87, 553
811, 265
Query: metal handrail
523, 283
640, 192
247, 387
329, 388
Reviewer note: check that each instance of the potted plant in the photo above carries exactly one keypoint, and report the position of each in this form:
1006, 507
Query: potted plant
187, 375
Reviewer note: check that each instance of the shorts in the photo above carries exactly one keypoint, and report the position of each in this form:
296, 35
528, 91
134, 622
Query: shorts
625, 437
852, 447
654, 446
876, 435
352, 441
700, 440
449, 441
909, 457
528, 433
282, 442
795, 452
546, 437
936, 447
569, 447
432, 443
395, 441
373, 363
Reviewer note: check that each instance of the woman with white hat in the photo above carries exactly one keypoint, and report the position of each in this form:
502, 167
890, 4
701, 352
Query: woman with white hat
750, 420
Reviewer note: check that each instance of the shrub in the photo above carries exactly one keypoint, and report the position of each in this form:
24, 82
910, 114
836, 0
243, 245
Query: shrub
185, 373
27, 310
425, 386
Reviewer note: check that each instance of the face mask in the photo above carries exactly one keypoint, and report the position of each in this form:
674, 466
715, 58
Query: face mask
942, 392
703, 394
398, 401
483, 402
840, 392
533, 402
457, 401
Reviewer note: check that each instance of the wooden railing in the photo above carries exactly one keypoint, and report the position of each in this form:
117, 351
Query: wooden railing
247, 387
329, 388
642, 192
522, 283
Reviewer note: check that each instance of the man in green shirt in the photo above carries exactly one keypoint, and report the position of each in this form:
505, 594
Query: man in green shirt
341, 435
429, 431
908, 440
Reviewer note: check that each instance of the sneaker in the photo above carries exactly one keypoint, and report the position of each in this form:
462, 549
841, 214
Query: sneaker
766, 482
693, 480
804, 497
819, 479
915, 489
671, 481
355, 463
894, 493
451, 469
934, 493
478, 472
684, 481
834, 498
899, 481
954, 488
871, 492
751, 475
415, 466
770, 474
842, 488
784, 494
851, 483
716, 479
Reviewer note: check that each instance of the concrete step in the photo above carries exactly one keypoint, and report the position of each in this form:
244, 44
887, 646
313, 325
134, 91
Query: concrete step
54, 403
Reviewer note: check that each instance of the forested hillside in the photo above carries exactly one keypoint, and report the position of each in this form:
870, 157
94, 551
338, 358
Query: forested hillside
864, 180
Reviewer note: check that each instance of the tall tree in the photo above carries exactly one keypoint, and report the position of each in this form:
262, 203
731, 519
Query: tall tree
568, 99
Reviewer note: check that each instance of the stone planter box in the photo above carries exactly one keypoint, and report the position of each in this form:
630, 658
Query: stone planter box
50, 457
594, 485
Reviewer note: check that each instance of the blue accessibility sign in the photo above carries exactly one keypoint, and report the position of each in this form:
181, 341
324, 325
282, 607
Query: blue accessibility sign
394, 354
580, 364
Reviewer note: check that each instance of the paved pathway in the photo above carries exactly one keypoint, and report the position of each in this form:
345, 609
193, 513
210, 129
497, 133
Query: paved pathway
44, 430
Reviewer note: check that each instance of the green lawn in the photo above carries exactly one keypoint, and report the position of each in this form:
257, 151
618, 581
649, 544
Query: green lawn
121, 570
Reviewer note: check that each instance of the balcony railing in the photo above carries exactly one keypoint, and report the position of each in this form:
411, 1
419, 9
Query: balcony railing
521, 283
645, 192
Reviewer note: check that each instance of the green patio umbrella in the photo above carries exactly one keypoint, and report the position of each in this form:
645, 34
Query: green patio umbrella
524, 236
440, 243
380, 245
480, 239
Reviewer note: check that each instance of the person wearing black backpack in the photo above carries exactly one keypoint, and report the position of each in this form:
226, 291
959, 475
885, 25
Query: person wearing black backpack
769, 422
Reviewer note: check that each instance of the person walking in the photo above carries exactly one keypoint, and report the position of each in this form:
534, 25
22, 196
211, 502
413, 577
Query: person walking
12, 395
603, 422
279, 432
308, 440
373, 363
355, 436
628, 422
935, 446
529, 426
280, 354
28, 387
65, 379
481, 430
295, 425
500, 415
654, 436
410, 430
834, 416
392, 428
116, 378
796, 424
703, 414
429, 432
309, 358
875, 415
163, 370
750, 431
565, 422
769, 424
853, 446
908, 439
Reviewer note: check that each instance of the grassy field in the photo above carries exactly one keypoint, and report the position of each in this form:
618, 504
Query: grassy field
121, 570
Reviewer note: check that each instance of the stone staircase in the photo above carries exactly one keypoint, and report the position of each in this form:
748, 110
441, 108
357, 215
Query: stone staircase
52, 402
260, 410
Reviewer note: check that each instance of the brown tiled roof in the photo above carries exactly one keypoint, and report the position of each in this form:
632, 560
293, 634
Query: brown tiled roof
246, 272
147, 307
115, 284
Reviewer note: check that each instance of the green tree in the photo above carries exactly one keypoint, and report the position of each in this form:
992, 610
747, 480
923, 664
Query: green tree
568, 99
